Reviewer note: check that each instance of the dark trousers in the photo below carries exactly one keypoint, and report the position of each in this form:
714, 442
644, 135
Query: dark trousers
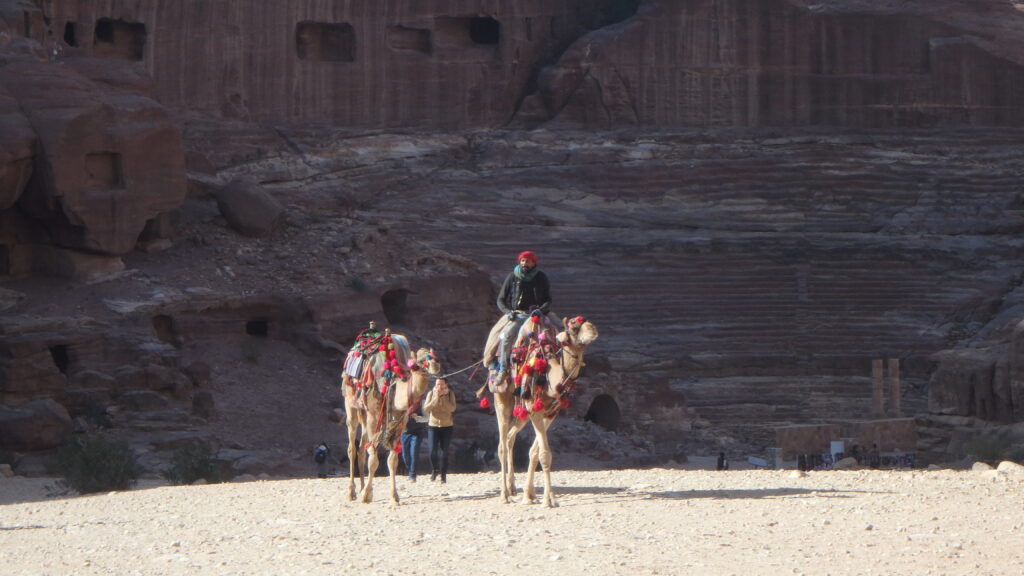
439, 438
410, 452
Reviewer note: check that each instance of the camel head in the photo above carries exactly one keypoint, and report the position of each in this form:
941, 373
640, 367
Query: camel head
425, 365
426, 360
579, 332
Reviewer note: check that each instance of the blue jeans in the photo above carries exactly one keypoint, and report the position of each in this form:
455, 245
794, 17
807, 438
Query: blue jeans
440, 438
410, 452
508, 339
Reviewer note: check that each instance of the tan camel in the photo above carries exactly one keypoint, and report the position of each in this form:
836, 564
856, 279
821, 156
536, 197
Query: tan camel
560, 360
379, 414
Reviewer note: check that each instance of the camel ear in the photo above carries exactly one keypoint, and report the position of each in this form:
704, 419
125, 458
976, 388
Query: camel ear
565, 323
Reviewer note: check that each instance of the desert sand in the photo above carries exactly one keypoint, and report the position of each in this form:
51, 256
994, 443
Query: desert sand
657, 521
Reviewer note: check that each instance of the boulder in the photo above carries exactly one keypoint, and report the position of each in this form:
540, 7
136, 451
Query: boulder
108, 157
1010, 467
846, 464
36, 425
249, 209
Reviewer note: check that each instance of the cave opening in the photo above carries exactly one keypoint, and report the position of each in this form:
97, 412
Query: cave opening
259, 327
604, 411
119, 39
393, 302
484, 30
325, 42
61, 358
70, 34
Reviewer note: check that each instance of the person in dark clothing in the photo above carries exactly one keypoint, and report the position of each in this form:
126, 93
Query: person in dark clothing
320, 455
526, 290
412, 437
723, 463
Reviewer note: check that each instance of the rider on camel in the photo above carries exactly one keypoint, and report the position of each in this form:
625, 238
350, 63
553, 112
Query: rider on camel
526, 291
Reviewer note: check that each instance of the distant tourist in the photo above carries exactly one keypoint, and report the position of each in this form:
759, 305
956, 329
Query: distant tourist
723, 462
320, 454
874, 457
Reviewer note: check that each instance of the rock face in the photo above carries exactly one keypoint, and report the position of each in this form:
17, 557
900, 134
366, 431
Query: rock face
37, 425
108, 159
719, 63
87, 157
436, 63
749, 279
744, 279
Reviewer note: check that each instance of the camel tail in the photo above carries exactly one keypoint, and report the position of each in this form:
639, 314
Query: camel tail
481, 390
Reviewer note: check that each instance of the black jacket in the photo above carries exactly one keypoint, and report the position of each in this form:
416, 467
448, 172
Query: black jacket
524, 295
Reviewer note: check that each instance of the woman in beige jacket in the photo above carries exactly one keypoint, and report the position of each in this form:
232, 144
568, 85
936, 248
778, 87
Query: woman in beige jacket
439, 406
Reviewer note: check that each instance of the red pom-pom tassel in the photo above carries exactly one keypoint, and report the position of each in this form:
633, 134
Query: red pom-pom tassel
398, 447
538, 405
564, 403
485, 403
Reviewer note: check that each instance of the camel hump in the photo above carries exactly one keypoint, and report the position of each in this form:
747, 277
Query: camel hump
403, 351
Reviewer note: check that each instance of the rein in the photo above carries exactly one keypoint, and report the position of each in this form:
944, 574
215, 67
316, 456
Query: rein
446, 376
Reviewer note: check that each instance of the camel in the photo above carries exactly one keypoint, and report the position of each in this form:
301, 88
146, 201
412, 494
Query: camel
392, 386
536, 353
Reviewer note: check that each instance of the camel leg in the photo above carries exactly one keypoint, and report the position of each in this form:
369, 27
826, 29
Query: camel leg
541, 426
515, 426
393, 470
504, 414
530, 491
353, 453
371, 462
364, 440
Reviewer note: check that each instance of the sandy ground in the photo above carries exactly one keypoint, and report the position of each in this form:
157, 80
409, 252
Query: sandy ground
660, 521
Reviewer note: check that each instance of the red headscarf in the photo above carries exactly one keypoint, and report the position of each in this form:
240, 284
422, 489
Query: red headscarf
529, 255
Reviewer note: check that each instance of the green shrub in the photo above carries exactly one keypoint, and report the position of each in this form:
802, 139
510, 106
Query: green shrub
192, 462
95, 463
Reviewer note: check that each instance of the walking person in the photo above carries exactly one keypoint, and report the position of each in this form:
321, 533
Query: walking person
439, 406
412, 437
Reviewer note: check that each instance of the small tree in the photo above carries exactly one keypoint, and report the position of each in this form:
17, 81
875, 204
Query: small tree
192, 462
95, 463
